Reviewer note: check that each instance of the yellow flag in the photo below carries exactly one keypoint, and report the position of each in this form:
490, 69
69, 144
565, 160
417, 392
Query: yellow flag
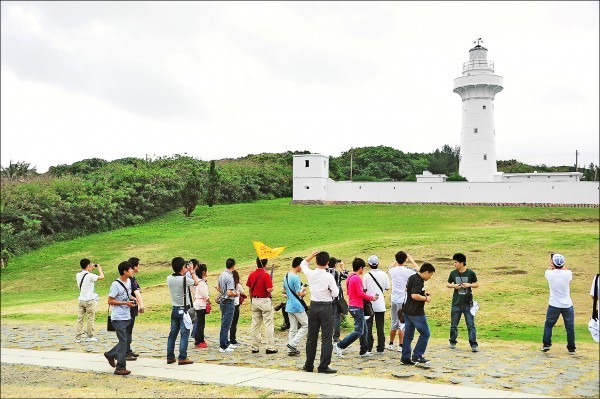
265, 252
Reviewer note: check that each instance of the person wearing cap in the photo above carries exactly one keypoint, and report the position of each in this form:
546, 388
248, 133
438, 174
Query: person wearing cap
462, 281
560, 303
376, 282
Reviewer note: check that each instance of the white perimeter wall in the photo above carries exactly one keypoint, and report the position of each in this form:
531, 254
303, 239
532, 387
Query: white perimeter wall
488, 192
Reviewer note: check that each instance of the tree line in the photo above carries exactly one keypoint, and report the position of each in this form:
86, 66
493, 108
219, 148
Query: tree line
95, 195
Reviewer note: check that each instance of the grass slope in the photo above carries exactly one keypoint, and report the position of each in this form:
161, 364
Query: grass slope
508, 247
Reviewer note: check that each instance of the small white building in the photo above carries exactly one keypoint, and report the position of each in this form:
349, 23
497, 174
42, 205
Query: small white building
428, 177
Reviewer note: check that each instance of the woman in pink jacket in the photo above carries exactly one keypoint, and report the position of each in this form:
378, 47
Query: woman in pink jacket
200, 301
356, 295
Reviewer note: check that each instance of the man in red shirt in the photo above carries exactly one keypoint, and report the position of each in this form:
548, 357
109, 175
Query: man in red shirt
261, 286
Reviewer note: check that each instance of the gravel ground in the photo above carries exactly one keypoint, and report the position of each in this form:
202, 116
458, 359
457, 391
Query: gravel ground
499, 365
43, 382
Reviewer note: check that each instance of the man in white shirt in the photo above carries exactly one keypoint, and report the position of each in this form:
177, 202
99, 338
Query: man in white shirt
399, 274
86, 281
560, 303
376, 282
320, 316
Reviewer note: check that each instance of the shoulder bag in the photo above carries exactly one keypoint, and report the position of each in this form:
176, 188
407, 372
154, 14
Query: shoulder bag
190, 310
301, 300
109, 325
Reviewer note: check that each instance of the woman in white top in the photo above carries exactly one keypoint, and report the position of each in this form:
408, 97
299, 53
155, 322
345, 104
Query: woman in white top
200, 300
236, 313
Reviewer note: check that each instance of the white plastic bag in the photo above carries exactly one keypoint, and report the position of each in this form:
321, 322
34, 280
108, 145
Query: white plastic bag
187, 320
474, 308
594, 329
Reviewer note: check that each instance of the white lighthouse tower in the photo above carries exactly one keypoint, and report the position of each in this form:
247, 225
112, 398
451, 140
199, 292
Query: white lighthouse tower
477, 88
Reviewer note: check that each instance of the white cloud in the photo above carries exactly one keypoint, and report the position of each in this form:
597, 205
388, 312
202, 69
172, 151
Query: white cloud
221, 79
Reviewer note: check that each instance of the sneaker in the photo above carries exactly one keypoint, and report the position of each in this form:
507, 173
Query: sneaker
132, 354
228, 349
407, 362
130, 358
122, 372
400, 348
232, 346
91, 339
366, 354
77, 340
421, 360
545, 348
202, 344
572, 352
293, 353
255, 350
284, 327
452, 345
271, 351
338, 351
185, 361
475, 348
379, 353
390, 347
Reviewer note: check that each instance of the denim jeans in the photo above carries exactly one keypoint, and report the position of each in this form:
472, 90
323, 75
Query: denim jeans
379, 325
360, 330
178, 325
455, 313
568, 315
119, 350
410, 324
227, 309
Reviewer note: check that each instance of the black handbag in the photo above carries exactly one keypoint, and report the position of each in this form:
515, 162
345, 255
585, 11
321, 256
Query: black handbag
368, 307
342, 305
109, 326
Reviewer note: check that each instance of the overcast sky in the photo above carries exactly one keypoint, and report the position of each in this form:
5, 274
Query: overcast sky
215, 80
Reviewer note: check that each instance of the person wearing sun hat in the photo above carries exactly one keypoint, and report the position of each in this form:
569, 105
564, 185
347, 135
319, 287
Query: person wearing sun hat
560, 302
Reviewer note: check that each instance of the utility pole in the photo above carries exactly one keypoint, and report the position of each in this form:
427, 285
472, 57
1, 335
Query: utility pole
576, 163
351, 155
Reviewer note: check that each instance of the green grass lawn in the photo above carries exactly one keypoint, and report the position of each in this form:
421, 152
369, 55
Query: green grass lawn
508, 247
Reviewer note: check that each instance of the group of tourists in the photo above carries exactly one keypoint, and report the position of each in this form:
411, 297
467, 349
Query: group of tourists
365, 290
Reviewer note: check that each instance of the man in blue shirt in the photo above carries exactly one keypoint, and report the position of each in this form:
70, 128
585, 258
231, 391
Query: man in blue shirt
122, 301
293, 288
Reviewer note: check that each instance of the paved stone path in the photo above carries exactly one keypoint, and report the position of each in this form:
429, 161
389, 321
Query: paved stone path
520, 368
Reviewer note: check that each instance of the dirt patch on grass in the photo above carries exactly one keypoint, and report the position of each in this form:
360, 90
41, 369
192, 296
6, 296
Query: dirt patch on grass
557, 220
515, 271
443, 259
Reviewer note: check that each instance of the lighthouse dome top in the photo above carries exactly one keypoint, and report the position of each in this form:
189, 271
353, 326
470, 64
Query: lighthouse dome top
478, 47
